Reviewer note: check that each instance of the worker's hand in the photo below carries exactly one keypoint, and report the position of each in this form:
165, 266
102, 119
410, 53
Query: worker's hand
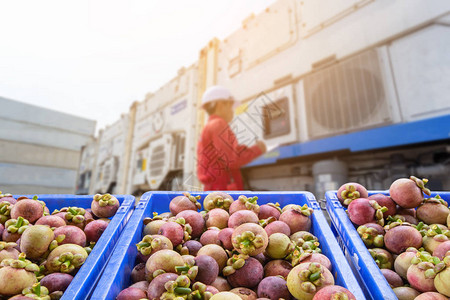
261, 145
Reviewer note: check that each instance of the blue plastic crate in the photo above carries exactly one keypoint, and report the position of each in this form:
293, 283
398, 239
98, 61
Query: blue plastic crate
85, 280
117, 275
367, 271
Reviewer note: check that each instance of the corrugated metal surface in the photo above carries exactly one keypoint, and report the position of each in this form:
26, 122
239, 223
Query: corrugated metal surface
13, 174
22, 153
40, 135
21, 112
33, 189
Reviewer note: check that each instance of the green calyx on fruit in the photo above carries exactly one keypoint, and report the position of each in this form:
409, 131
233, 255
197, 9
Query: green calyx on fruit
265, 222
199, 292
379, 210
36, 291
56, 242
275, 205
20, 263
437, 233
248, 242
5, 211
339, 296
73, 214
421, 184
4, 195
370, 236
148, 244
217, 202
67, 262
177, 288
308, 242
194, 200
17, 225
437, 200
189, 270
234, 263
311, 278
304, 210
250, 203
298, 255
6, 245
186, 227
431, 264
381, 259
90, 247
35, 197
349, 194
105, 200
155, 217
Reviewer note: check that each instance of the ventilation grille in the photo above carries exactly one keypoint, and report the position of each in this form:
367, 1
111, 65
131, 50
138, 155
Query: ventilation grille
347, 96
157, 161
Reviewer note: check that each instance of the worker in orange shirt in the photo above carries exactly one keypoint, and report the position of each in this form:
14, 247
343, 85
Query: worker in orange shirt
219, 154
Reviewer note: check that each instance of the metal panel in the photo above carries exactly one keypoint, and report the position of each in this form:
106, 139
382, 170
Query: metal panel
347, 96
34, 189
12, 174
23, 112
317, 14
421, 67
36, 134
14, 152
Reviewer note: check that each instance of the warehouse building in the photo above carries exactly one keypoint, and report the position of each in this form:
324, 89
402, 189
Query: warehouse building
40, 148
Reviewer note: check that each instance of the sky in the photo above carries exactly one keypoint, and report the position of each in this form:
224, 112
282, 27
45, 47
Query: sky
94, 58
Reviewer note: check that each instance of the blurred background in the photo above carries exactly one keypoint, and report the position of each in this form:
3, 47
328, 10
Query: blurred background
105, 96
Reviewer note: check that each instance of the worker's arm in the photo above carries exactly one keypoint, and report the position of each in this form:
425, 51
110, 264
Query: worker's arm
233, 155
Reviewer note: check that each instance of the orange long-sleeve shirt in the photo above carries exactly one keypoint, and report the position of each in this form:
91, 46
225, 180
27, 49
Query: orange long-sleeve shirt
220, 156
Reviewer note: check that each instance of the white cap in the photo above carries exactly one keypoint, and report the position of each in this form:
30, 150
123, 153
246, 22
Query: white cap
215, 93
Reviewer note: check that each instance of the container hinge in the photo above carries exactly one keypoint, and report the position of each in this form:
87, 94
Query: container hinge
141, 205
337, 204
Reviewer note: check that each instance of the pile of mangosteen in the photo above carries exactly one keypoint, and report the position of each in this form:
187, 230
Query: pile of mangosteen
41, 252
233, 249
407, 234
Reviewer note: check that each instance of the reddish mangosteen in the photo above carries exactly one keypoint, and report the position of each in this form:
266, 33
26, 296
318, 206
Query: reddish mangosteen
70, 235
384, 200
208, 269
422, 272
216, 252
8, 251
8, 198
403, 261
29, 209
351, 191
442, 250
142, 285
151, 244
398, 238
156, 286
138, 273
94, 230
383, 258
217, 200
244, 293
52, 221
131, 293
297, 218
408, 193
392, 278
333, 292
241, 217
433, 210
163, 260
250, 239
277, 267
277, 227
431, 296
210, 236
192, 247
243, 271
104, 206
56, 282
225, 238
217, 217
173, 231
315, 257
435, 236
195, 220
244, 203
221, 284
372, 234
269, 210
362, 211
185, 202
406, 293
273, 287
